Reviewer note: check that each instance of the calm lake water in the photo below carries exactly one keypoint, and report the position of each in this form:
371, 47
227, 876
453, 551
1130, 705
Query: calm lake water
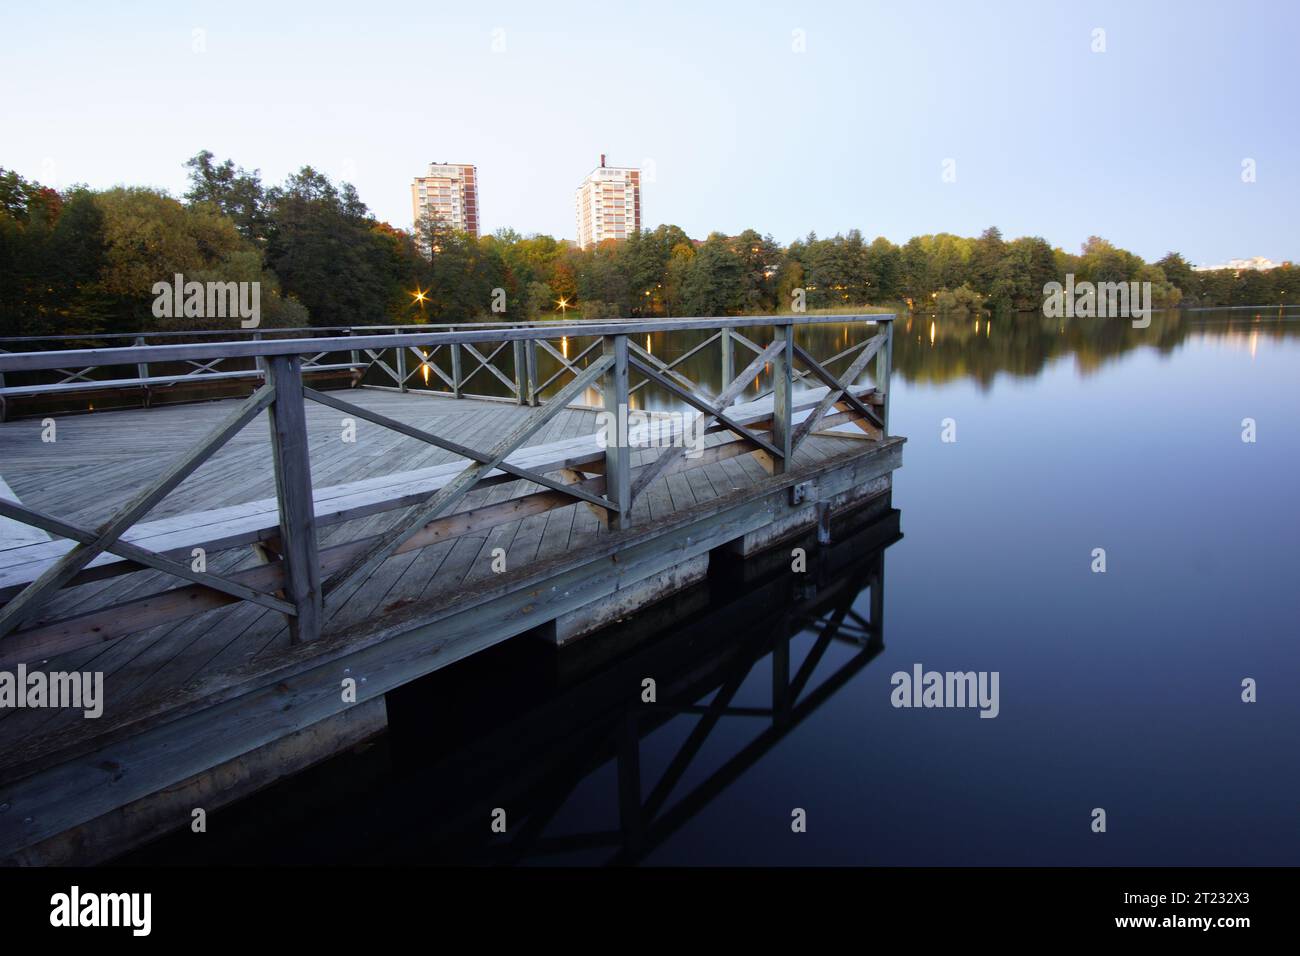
1119, 690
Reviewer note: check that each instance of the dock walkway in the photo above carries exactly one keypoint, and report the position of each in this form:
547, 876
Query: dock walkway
209, 695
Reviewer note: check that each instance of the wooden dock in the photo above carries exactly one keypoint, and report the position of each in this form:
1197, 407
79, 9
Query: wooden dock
333, 546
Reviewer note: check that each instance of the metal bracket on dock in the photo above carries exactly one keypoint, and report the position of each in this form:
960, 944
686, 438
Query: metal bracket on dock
799, 493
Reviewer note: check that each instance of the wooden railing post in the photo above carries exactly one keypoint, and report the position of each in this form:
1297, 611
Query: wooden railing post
401, 367
288, 417
141, 368
618, 456
530, 349
782, 397
455, 369
356, 355
521, 373
884, 368
728, 357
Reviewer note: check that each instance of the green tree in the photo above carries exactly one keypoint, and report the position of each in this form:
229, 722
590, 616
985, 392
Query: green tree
715, 282
460, 275
883, 264
235, 191
675, 276
986, 257
1177, 270
321, 244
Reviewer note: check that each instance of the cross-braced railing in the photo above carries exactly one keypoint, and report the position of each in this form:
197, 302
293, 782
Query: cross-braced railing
301, 575
153, 374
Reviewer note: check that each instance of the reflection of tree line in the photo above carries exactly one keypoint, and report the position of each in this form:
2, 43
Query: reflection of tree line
1024, 343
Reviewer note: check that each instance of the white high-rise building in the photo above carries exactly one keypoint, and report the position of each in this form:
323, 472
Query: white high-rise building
1258, 263
608, 204
449, 191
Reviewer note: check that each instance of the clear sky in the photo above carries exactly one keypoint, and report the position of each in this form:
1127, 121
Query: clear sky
1142, 143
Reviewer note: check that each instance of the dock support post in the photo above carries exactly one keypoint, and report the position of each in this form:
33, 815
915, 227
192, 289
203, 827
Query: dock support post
521, 374
455, 369
884, 368
618, 456
356, 355
401, 367
530, 348
782, 397
288, 417
728, 357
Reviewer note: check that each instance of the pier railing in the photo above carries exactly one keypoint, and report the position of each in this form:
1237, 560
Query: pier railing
300, 575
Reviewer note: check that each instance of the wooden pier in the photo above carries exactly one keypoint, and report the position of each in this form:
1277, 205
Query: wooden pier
250, 593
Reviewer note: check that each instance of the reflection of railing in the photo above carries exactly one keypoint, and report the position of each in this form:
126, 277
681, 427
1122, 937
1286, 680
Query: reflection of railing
302, 574
538, 757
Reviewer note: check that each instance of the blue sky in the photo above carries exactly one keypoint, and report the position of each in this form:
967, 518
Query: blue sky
1142, 144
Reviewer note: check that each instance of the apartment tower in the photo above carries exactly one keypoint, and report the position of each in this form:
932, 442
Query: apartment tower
608, 204
449, 191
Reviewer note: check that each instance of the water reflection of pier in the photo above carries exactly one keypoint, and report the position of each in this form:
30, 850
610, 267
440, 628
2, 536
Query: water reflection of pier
700, 662
584, 724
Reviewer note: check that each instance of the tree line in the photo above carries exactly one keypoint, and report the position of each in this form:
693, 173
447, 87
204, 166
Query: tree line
82, 261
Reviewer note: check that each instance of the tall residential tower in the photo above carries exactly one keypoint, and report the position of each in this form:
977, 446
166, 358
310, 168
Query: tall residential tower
608, 204
449, 191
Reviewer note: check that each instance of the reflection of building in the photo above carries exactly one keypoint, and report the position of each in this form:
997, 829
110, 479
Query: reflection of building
448, 191
608, 204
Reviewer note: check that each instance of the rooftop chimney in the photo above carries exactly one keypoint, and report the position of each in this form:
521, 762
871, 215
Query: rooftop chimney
602, 160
